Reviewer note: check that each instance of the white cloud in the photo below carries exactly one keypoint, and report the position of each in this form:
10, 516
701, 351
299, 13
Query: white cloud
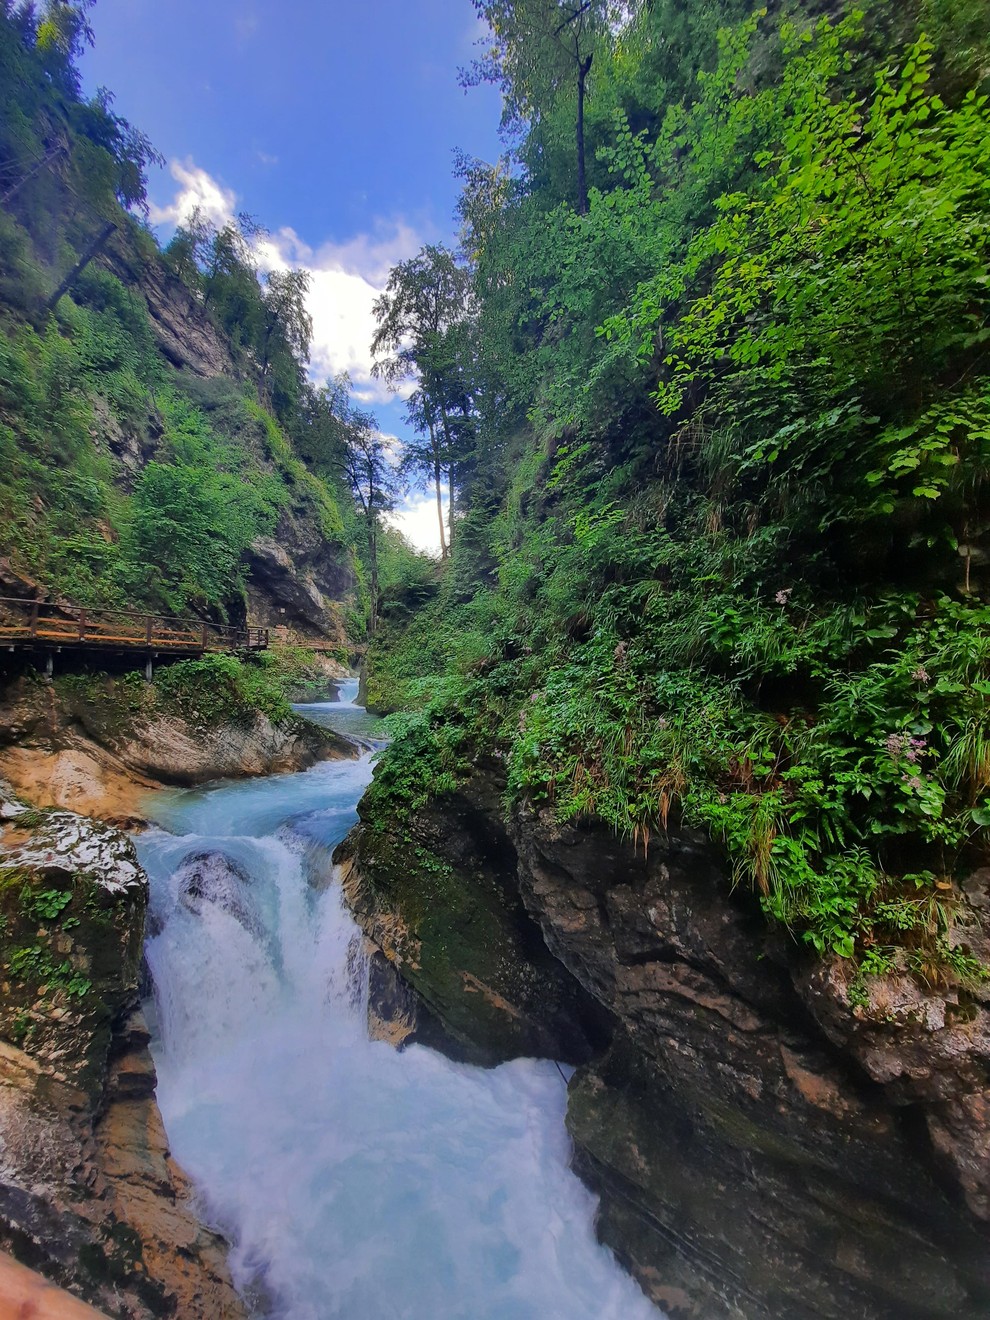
393, 448
345, 278
416, 519
197, 190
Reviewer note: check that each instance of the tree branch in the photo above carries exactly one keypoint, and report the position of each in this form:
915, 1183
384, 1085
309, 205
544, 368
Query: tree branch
572, 18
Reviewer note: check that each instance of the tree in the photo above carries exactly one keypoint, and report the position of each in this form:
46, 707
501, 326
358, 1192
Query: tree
425, 301
285, 337
266, 317
320, 433
537, 49
372, 481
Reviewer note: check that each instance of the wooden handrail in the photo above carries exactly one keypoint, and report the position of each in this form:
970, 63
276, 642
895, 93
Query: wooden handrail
66, 624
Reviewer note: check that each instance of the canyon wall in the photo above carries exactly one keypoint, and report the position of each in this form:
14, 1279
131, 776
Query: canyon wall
769, 1136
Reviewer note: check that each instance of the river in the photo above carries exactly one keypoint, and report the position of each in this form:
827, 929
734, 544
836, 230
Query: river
355, 1182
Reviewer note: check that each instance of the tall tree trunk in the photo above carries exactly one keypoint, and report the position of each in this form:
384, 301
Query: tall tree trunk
437, 487
449, 447
373, 557
266, 393
12, 192
584, 67
70, 279
450, 505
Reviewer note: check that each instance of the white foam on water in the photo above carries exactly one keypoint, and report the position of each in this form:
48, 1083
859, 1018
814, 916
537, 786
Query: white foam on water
356, 1182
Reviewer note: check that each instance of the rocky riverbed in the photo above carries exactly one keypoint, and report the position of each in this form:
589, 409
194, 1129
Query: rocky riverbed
99, 752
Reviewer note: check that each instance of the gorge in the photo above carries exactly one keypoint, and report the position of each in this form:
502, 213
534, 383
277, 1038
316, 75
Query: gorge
587, 915
776, 1181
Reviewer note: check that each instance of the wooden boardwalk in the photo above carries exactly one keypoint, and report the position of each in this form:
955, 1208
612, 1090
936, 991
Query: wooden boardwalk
39, 625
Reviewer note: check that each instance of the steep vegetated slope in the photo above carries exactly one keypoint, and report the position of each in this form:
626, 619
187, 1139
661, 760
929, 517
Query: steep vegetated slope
722, 544
714, 629
160, 443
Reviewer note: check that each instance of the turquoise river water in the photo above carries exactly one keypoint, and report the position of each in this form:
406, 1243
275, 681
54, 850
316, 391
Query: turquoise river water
355, 1182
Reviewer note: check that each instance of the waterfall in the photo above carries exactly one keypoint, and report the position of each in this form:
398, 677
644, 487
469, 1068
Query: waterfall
354, 1181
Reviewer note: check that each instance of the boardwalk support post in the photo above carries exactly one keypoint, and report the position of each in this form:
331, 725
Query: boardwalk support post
49, 665
149, 670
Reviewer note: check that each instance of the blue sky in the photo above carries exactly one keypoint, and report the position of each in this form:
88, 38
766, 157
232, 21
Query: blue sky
332, 123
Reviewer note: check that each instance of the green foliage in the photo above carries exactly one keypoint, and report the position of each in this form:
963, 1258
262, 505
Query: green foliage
32, 962
843, 298
724, 548
36, 963
193, 516
44, 905
311, 489
299, 673
222, 688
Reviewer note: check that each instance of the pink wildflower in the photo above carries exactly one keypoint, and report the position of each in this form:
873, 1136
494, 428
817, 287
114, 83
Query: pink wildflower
915, 749
895, 744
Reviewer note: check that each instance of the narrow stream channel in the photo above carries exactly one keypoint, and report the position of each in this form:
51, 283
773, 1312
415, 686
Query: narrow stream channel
356, 1182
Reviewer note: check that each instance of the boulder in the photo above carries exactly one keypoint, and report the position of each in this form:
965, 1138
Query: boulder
89, 1195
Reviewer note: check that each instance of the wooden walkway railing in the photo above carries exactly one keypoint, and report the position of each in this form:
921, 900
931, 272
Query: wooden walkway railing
32, 624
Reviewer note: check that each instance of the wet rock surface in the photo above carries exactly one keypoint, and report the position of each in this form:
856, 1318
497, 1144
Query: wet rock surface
88, 1193
440, 902
765, 1143
212, 879
747, 1166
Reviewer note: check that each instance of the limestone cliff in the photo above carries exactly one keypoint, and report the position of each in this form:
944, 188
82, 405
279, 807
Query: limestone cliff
298, 577
88, 1193
768, 1138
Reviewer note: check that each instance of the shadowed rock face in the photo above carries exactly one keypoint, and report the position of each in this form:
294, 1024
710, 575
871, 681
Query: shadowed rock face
298, 578
747, 1165
440, 901
88, 1193
181, 326
764, 1148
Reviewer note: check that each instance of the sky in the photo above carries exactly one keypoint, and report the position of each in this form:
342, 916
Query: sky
333, 124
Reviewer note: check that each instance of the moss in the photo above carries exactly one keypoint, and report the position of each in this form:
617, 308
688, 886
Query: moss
119, 1260
445, 899
66, 942
107, 708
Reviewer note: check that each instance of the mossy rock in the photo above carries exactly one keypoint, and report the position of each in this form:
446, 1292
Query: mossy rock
72, 904
439, 898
